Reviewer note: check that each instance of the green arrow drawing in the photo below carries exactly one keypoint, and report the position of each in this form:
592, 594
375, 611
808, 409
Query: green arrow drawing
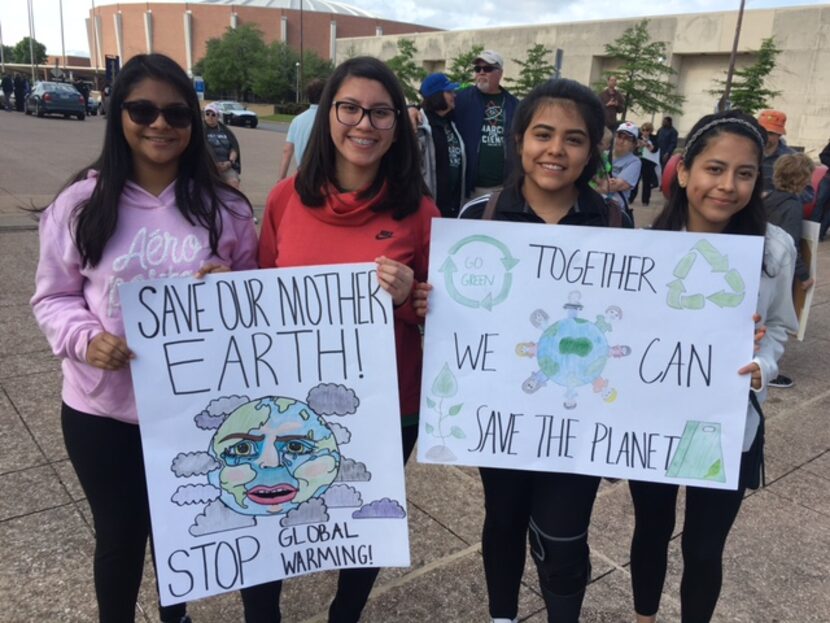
684, 266
726, 299
718, 262
735, 281
676, 288
486, 240
695, 301
505, 289
449, 269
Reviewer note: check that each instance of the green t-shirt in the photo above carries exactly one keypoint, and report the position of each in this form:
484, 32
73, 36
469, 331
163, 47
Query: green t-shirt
491, 148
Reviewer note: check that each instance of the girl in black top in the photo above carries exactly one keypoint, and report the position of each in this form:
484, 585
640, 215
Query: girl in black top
555, 143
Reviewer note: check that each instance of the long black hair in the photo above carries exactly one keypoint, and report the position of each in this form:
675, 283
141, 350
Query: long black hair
197, 182
556, 90
400, 167
752, 219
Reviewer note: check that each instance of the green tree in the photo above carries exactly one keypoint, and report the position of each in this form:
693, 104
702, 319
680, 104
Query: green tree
8, 54
642, 74
315, 66
275, 78
748, 91
461, 66
230, 61
535, 69
406, 69
22, 54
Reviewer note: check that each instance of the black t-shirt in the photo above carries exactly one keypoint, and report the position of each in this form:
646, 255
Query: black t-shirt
491, 147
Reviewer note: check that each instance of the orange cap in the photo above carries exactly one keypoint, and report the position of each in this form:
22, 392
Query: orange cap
773, 121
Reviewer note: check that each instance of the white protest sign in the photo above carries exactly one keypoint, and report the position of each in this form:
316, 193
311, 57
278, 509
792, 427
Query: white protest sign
268, 403
589, 350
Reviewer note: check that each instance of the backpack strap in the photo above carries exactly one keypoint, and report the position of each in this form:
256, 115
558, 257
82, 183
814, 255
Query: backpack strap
490, 208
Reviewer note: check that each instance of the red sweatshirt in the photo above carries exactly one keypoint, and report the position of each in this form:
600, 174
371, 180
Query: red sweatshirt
346, 230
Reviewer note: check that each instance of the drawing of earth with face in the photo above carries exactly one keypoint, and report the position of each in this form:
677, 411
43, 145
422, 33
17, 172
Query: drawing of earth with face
275, 453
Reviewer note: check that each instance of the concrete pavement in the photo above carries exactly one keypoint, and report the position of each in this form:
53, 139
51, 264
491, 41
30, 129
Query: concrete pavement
777, 565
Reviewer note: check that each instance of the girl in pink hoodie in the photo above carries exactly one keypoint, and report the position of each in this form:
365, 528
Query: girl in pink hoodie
151, 206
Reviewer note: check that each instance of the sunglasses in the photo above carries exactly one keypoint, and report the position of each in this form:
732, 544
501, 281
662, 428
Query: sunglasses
485, 68
210, 113
143, 112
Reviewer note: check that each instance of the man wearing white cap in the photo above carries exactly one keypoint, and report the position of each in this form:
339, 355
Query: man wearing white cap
483, 115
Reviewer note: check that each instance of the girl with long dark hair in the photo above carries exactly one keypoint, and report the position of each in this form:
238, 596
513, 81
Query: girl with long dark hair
150, 206
358, 197
717, 190
554, 142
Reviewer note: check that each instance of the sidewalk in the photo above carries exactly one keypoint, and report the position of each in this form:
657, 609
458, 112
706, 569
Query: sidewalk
777, 566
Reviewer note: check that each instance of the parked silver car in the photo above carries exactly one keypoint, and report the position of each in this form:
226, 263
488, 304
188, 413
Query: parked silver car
234, 113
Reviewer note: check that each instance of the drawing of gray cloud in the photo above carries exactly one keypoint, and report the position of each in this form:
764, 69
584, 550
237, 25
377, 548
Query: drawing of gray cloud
380, 509
195, 494
217, 410
341, 433
218, 518
342, 496
313, 511
352, 471
188, 464
332, 399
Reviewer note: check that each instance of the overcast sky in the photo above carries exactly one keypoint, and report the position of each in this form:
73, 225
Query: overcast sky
449, 14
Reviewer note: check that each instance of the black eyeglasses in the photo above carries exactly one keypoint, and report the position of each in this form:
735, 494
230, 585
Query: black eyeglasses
485, 68
143, 112
210, 113
351, 114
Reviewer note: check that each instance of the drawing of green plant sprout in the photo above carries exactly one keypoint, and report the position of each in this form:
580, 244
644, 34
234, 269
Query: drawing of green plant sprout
444, 387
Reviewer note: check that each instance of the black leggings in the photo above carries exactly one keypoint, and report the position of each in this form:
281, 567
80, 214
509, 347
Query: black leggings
709, 516
106, 455
557, 509
262, 602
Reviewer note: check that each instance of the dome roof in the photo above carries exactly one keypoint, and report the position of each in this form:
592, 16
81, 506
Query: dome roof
316, 6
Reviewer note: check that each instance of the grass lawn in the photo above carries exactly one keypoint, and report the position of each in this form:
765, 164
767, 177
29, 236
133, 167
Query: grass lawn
278, 118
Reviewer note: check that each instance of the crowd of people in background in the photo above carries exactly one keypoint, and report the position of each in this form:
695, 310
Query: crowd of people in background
561, 156
17, 85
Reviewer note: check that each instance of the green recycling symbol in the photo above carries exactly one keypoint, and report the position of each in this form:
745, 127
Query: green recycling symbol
731, 297
477, 272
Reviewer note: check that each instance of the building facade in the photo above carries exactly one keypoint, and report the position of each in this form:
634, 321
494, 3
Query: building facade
181, 30
698, 48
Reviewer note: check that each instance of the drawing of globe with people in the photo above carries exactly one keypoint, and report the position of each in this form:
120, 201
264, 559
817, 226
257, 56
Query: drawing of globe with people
276, 456
573, 351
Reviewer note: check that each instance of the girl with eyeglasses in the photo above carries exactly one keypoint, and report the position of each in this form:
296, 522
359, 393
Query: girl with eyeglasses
717, 190
150, 206
358, 197
554, 153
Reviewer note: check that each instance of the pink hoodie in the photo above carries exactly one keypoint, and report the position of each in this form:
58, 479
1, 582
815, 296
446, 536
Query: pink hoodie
73, 304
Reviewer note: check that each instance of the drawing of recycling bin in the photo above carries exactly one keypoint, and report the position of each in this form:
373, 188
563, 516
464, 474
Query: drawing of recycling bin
699, 455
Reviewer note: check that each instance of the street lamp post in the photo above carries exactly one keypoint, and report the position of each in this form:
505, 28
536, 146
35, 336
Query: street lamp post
297, 88
723, 103
2, 55
661, 60
32, 39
